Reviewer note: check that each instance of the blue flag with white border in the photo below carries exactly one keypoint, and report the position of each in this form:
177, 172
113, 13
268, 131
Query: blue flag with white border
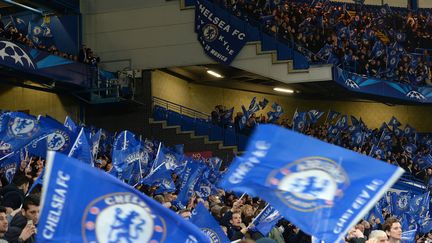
221, 38
104, 209
314, 185
81, 149
267, 219
209, 226
70, 124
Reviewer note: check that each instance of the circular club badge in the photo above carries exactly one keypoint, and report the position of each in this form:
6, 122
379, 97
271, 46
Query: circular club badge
309, 183
121, 217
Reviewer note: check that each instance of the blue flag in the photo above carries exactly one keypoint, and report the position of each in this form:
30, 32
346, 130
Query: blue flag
263, 103
333, 115
60, 138
321, 188
419, 204
70, 124
11, 163
38, 181
342, 123
21, 130
166, 185
400, 203
410, 148
95, 140
409, 236
81, 149
314, 115
375, 213
168, 158
205, 221
189, 178
127, 157
267, 219
424, 162
299, 121
221, 38
394, 122
104, 209
253, 106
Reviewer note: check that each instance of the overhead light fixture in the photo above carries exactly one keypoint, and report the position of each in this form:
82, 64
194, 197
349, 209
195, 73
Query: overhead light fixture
23, 6
213, 73
290, 91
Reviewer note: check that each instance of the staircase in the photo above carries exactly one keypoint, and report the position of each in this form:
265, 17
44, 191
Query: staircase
177, 124
172, 135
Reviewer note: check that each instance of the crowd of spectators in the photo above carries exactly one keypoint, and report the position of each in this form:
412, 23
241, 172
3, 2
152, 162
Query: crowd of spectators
11, 32
234, 212
382, 42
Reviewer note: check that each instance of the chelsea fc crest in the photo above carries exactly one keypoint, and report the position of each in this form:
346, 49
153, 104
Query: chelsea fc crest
22, 127
210, 32
309, 184
58, 140
121, 217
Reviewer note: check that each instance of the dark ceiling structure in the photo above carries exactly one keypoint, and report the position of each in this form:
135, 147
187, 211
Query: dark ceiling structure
238, 79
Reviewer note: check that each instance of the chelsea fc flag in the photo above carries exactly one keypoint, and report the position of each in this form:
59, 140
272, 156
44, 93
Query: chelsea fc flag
321, 188
219, 33
83, 204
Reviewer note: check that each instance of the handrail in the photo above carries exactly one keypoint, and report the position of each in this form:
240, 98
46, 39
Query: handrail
179, 108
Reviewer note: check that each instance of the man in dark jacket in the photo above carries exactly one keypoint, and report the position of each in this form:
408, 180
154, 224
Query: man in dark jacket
22, 228
14, 193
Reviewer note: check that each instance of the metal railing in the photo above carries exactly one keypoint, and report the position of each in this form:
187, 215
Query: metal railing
179, 108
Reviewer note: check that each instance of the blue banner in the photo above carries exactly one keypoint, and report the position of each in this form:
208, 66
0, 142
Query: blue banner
321, 188
221, 36
35, 62
205, 221
104, 209
265, 221
369, 85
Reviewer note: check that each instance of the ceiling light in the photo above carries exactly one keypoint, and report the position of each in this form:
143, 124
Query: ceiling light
284, 90
213, 73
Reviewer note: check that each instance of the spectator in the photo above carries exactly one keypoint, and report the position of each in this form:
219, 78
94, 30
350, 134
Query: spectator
23, 225
13, 194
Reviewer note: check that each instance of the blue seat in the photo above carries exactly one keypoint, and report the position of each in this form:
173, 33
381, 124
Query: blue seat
242, 142
173, 118
187, 123
230, 136
216, 133
159, 113
202, 127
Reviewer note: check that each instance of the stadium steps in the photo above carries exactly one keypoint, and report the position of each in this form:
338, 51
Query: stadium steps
385, 40
172, 135
275, 57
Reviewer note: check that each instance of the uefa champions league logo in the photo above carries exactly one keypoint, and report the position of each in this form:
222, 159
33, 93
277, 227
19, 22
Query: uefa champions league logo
210, 32
21, 127
415, 95
309, 183
57, 141
16, 54
122, 218
352, 84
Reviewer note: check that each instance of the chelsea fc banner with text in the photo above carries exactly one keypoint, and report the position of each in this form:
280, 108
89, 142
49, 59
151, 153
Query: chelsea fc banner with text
219, 33
83, 204
321, 188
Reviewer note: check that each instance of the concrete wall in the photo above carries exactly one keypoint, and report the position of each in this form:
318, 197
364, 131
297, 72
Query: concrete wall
38, 102
132, 34
425, 4
204, 98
